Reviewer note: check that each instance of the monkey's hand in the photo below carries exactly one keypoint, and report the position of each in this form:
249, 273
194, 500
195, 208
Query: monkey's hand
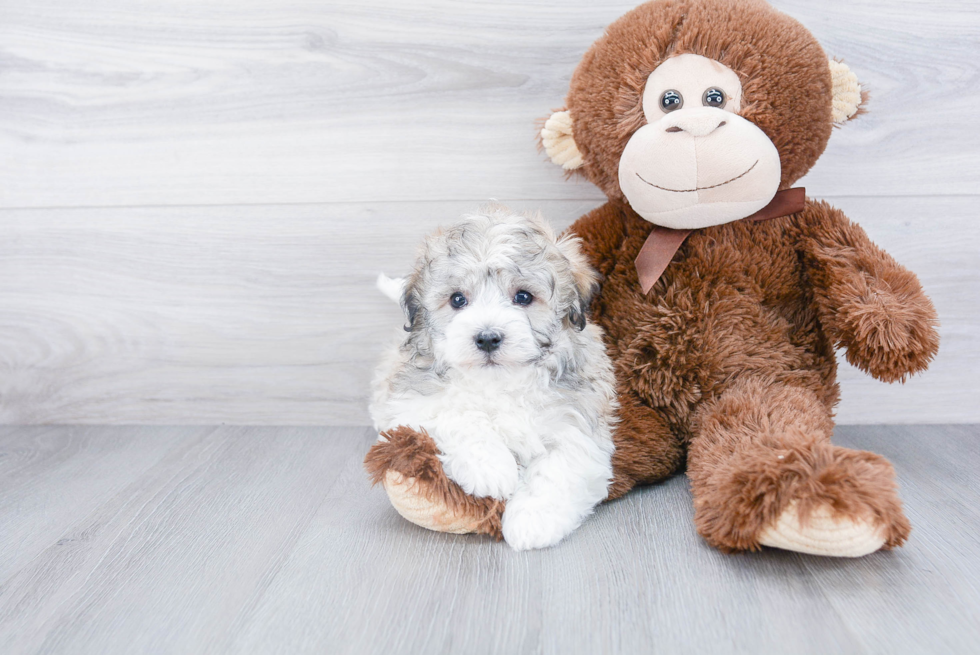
888, 332
868, 303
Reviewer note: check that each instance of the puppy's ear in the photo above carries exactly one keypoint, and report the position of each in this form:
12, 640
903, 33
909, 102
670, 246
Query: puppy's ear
410, 303
585, 279
392, 287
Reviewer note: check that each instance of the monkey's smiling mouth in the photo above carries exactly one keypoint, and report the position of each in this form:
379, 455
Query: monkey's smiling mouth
700, 188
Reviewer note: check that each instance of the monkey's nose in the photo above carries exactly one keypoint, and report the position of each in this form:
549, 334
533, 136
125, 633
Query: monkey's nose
488, 340
695, 123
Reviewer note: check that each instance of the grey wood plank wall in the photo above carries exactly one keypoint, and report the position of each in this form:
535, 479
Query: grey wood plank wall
195, 198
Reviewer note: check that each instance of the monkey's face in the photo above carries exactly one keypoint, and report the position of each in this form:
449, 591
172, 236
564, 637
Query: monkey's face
696, 162
697, 112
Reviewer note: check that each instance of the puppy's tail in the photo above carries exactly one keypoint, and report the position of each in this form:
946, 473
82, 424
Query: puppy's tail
393, 287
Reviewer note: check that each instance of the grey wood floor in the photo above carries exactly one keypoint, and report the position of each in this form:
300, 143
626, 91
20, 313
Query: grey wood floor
269, 540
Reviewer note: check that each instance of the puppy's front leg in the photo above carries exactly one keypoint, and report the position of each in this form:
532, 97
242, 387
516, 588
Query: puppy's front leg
558, 491
478, 461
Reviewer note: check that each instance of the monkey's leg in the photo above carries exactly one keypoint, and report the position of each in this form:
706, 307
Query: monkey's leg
407, 464
764, 473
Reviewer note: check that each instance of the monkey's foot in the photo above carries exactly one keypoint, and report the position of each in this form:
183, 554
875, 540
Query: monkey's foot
407, 463
425, 512
823, 534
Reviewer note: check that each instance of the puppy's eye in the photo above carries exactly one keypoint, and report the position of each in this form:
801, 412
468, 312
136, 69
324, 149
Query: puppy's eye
714, 97
523, 297
671, 100
457, 300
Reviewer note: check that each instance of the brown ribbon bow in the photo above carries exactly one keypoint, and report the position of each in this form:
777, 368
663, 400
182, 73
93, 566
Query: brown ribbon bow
663, 242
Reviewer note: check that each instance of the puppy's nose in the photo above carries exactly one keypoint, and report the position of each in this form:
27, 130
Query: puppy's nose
488, 340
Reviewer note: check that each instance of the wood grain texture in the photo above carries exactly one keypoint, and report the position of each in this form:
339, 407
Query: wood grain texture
164, 103
268, 315
196, 198
245, 540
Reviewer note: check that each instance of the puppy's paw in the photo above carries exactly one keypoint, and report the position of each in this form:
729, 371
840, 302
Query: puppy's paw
483, 470
530, 522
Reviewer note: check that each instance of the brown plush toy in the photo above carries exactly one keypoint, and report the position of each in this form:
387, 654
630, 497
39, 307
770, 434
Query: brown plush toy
725, 292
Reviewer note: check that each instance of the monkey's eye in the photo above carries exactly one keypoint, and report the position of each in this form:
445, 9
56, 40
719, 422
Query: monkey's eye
457, 300
523, 297
671, 100
714, 97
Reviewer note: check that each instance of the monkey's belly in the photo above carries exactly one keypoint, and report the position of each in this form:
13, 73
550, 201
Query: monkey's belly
676, 365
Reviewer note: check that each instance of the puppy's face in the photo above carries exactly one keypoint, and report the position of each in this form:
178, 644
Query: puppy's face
496, 289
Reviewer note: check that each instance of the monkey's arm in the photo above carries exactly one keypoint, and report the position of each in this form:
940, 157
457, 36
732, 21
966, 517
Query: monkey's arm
866, 301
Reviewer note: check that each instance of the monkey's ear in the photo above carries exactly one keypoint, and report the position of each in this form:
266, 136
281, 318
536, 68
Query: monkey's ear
849, 99
558, 141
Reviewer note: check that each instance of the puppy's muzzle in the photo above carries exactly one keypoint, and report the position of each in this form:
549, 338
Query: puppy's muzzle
488, 340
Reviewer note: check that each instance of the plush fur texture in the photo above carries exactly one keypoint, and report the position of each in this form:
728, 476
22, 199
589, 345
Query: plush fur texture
730, 358
762, 446
728, 364
529, 421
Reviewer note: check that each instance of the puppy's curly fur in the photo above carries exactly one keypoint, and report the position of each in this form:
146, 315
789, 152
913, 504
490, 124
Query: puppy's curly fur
502, 370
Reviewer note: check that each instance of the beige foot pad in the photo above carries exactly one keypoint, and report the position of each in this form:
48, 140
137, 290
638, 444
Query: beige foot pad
421, 511
824, 534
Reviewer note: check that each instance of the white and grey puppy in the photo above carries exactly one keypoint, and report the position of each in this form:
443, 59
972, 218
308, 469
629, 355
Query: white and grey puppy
502, 370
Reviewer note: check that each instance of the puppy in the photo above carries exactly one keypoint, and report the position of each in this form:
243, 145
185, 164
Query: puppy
502, 370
